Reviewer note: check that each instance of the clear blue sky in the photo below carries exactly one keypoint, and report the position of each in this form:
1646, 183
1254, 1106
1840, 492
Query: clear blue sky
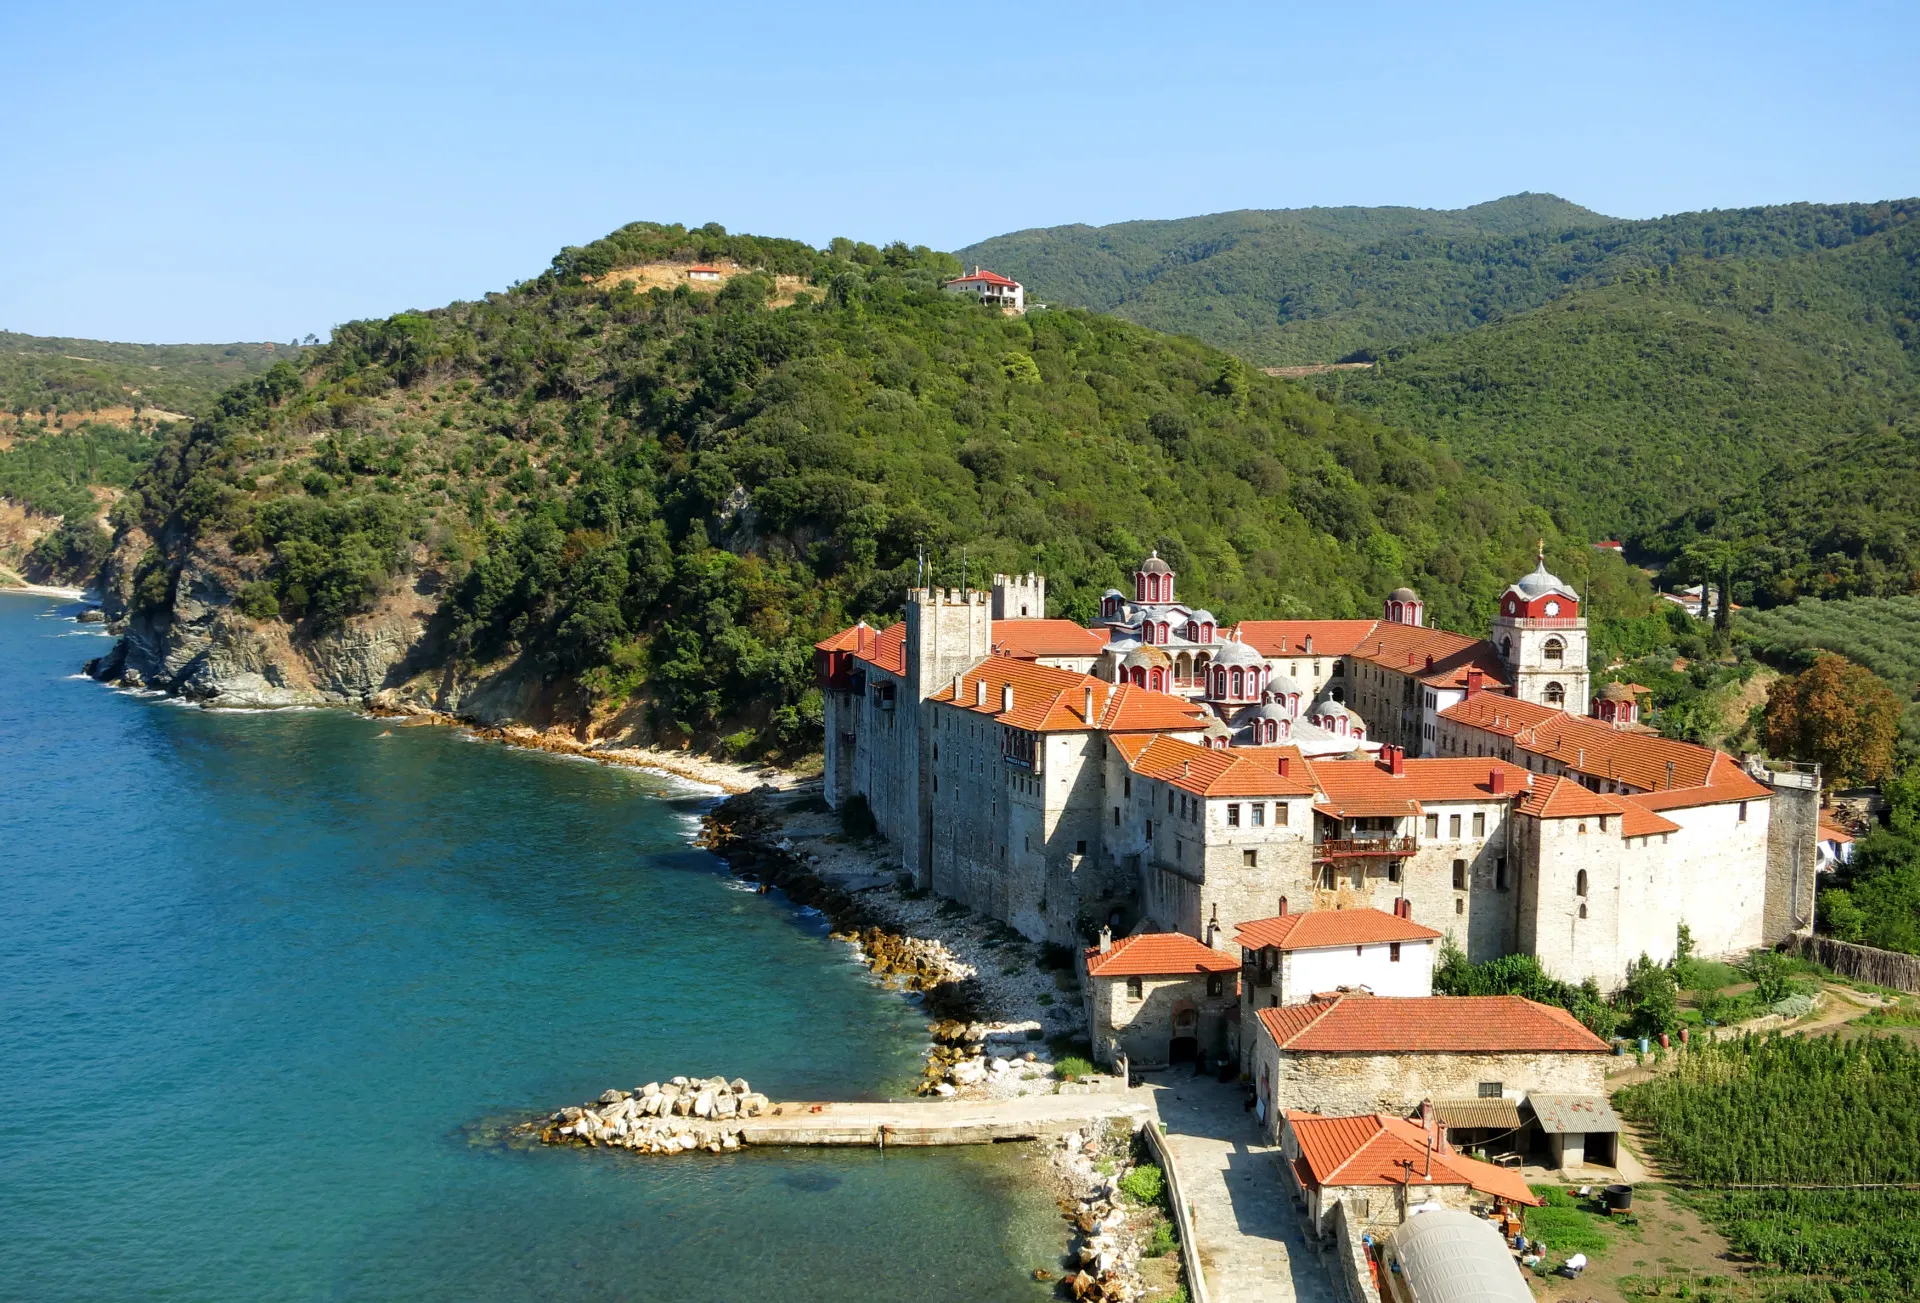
191, 171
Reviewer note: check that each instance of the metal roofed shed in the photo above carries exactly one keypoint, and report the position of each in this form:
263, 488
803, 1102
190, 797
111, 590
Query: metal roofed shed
1444, 1256
1579, 1129
1478, 1114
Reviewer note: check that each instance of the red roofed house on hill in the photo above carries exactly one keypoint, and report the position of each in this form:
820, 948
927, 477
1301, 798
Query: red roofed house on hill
1371, 1054
990, 288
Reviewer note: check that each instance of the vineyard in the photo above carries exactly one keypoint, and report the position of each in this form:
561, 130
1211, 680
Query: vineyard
1881, 633
1793, 1113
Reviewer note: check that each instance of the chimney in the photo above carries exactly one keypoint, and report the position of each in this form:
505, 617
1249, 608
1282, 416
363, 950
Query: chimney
1475, 681
1309, 644
1006, 698
1497, 781
1087, 714
1440, 1134
1283, 907
1283, 767
956, 689
979, 692
1669, 773
1106, 940
1283, 644
1393, 759
1429, 661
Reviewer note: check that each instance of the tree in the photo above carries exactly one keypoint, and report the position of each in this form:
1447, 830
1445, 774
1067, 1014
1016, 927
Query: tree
1651, 1000
1837, 713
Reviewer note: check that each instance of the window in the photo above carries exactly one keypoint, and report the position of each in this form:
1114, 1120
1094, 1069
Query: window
1500, 873
1280, 813
1359, 876
1480, 825
1216, 985
1116, 816
1133, 988
1149, 830
1169, 800
1603, 823
1326, 877
1126, 785
1079, 848
1179, 849
1433, 825
1459, 875
1490, 1090
1393, 952
1259, 814
1233, 814
1250, 858
1580, 883
1556, 651
1393, 870
1459, 905
1453, 827
1743, 812
1556, 695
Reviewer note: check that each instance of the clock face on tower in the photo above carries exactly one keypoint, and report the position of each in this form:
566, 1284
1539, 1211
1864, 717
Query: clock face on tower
1553, 608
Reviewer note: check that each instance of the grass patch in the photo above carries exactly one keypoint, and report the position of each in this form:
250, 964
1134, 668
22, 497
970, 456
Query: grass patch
1162, 1241
1710, 975
1072, 1066
1565, 1224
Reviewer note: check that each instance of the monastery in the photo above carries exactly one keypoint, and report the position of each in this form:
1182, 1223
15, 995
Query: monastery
1159, 773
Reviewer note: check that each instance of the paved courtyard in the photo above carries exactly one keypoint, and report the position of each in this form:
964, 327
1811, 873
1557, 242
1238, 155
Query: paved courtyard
1251, 1244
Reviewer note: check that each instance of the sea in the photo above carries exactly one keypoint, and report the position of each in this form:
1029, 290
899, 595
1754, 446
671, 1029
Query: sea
272, 985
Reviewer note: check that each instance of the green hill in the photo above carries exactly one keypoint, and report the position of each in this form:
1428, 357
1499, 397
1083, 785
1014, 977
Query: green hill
41, 376
674, 494
1313, 285
1669, 393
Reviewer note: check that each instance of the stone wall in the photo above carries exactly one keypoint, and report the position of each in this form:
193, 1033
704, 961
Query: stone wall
1397, 1083
1792, 838
1861, 963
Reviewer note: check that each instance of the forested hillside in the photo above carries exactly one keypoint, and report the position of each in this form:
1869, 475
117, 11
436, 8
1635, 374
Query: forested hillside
1318, 284
1674, 391
53, 378
676, 493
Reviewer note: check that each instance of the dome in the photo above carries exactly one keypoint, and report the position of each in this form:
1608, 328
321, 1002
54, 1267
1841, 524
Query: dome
1403, 594
1615, 692
1203, 616
1114, 592
1265, 710
1542, 581
1153, 565
1146, 657
1328, 706
1216, 728
1282, 686
1237, 653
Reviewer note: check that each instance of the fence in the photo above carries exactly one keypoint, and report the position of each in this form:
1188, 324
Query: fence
1861, 963
1182, 1215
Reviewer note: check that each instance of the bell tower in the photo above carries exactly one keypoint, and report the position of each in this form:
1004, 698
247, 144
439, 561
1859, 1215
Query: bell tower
1540, 632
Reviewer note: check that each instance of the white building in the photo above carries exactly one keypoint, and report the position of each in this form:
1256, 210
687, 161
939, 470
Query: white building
994, 290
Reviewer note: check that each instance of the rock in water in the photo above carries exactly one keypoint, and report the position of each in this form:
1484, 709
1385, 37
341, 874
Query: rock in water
611, 1097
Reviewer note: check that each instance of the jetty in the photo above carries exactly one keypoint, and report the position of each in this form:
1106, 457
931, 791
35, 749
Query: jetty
939, 1122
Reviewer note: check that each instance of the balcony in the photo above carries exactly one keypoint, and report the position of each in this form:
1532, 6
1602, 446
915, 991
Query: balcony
1354, 848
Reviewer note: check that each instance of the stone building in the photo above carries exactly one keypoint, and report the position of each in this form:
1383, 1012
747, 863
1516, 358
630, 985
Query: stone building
1160, 998
1381, 1168
1357, 1053
1159, 773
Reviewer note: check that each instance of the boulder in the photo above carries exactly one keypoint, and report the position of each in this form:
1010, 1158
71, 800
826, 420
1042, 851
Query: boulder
679, 1081
612, 1097
571, 1114
703, 1104
682, 1105
651, 1088
944, 1089
738, 1085
726, 1106
755, 1104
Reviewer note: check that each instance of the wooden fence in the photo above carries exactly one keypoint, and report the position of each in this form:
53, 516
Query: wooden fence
1861, 963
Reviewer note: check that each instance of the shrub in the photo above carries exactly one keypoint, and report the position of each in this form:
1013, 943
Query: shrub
1146, 1184
258, 601
1072, 1066
1161, 1242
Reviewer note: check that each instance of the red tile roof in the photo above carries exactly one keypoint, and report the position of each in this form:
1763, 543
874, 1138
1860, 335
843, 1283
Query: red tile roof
1319, 928
703, 266
1432, 1024
1205, 771
1564, 798
1364, 789
886, 648
1158, 954
1028, 639
1375, 1149
1833, 832
1289, 637
982, 276
1047, 699
1406, 649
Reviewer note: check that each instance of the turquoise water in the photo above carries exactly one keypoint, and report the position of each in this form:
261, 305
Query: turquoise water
266, 979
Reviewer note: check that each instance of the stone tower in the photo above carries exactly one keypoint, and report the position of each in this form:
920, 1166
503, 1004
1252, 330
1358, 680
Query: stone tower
949, 631
1020, 597
1541, 635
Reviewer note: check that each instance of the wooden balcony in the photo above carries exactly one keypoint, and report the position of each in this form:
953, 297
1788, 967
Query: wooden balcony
1353, 848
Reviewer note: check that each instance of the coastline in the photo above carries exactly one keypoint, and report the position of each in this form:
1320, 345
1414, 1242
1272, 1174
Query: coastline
49, 590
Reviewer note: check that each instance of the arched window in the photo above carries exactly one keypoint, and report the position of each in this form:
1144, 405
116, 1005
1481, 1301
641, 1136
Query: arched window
1111, 607
1239, 682
1395, 616
1153, 588
1506, 650
1556, 695
1157, 679
1139, 677
1580, 883
1206, 632
1556, 651
1163, 631
1337, 693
